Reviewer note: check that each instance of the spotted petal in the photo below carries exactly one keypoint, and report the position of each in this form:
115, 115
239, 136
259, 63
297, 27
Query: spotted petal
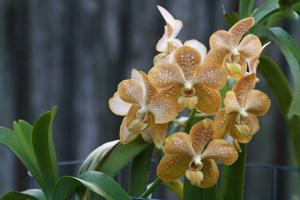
210, 173
216, 57
231, 103
179, 144
221, 40
239, 29
188, 59
158, 132
118, 106
212, 76
164, 109
243, 86
201, 133
257, 102
221, 150
250, 46
198, 46
164, 75
126, 136
172, 167
142, 79
209, 100
131, 91
221, 123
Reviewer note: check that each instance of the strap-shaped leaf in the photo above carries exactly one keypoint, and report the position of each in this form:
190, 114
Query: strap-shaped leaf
44, 149
265, 10
19, 142
32, 194
245, 8
97, 157
97, 182
121, 155
291, 52
272, 73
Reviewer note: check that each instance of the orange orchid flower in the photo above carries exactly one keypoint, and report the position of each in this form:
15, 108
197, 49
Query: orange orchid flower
146, 111
232, 50
194, 155
189, 82
242, 106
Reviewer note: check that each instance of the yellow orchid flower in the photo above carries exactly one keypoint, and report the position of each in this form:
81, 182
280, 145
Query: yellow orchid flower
146, 111
194, 155
232, 50
242, 106
189, 82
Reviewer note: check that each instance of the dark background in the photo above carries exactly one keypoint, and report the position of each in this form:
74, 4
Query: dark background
72, 53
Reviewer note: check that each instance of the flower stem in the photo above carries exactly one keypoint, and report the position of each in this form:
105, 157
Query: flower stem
232, 185
152, 188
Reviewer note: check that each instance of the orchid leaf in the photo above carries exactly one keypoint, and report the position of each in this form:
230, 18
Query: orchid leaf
245, 8
120, 156
96, 157
140, 169
96, 182
291, 52
44, 149
32, 194
273, 75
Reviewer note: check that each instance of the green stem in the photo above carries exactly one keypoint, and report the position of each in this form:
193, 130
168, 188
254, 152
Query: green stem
232, 179
152, 188
140, 172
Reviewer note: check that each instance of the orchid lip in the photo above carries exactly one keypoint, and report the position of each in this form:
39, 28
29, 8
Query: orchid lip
196, 164
243, 113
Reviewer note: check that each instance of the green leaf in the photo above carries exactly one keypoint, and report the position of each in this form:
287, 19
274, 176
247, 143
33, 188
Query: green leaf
32, 194
121, 155
273, 75
18, 141
97, 182
96, 158
291, 52
245, 8
44, 149
140, 169
231, 18
265, 10
232, 178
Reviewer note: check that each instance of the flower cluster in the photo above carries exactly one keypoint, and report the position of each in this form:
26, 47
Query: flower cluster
186, 76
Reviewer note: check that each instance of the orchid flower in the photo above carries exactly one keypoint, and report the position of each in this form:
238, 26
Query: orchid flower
168, 43
146, 111
242, 106
232, 50
189, 82
194, 155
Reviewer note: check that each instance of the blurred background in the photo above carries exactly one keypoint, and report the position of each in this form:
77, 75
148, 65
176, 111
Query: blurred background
73, 53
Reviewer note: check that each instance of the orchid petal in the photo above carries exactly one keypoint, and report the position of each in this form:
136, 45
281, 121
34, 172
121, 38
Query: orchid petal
179, 144
118, 106
219, 149
172, 167
164, 75
188, 59
209, 100
164, 109
212, 76
257, 102
239, 29
201, 133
